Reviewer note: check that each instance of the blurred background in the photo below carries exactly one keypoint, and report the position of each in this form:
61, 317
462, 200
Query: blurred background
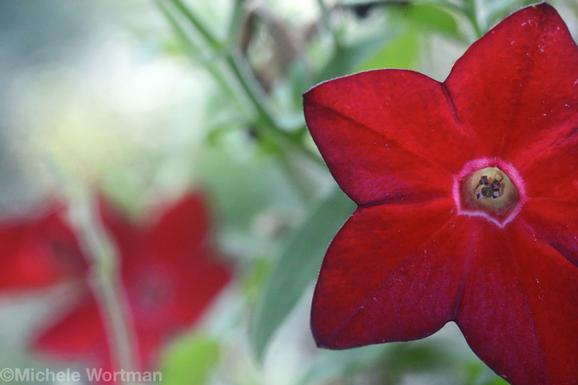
139, 103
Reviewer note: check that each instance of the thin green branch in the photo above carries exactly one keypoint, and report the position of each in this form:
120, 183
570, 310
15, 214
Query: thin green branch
249, 85
209, 63
326, 21
478, 30
251, 88
103, 261
207, 35
255, 94
467, 10
236, 18
470, 10
105, 280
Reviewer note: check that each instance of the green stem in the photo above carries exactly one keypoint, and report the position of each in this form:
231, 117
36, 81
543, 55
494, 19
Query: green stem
194, 50
304, 185
105, 281
471, 12
451, 6
468, 10
326, 20
211, 40
478, 30
256, 96
236, 18
252, 90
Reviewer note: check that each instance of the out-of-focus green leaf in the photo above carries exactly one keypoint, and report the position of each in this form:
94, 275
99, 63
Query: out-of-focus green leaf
255, 279
434, 18
347, 58
339, 364
190, 361
402, 52
297, 267
352, 2
237, 15
477, 373
395, 48
498, 381
256, 181
415, 357
472, 373
495, 10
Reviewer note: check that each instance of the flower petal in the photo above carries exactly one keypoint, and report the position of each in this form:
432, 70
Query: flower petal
181, 229
392, 273
518, 85
78, 335
555, 223
519, 307
552, 173
39, 252
385, 135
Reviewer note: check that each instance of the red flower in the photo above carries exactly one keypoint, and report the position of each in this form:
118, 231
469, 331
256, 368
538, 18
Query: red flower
169, 275
38, 251
468, 202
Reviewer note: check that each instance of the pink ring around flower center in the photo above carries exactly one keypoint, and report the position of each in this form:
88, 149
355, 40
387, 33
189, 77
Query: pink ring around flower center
481, 163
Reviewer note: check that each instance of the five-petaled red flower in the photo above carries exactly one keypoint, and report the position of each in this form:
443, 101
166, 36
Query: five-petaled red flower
170, 276
468, 202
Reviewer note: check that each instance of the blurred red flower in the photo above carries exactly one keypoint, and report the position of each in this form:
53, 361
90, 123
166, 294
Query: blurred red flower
38, 251
170, 275
468, 202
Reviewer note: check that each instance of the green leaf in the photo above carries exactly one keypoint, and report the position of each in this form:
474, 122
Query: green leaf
477, 373
415, 357
237, 15
402, 52
334, 365
190, 360
255, 279
496, 10
395, 47
433, 18
297, 267
347, 58
498, 381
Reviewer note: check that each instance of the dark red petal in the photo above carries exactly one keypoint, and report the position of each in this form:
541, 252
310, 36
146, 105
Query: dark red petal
181, 228
555, 223
519, 307
168, 297
115, 221
385, 135
552, 173
393, 273
196, 292
25, 262
79, 335
518, 85
39, 251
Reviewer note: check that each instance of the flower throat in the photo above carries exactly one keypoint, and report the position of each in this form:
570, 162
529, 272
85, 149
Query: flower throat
486, 190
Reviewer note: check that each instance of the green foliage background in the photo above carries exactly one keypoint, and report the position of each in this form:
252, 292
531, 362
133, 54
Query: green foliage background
145, 99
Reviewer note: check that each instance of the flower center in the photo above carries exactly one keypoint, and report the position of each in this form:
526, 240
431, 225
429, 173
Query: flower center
489, 189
